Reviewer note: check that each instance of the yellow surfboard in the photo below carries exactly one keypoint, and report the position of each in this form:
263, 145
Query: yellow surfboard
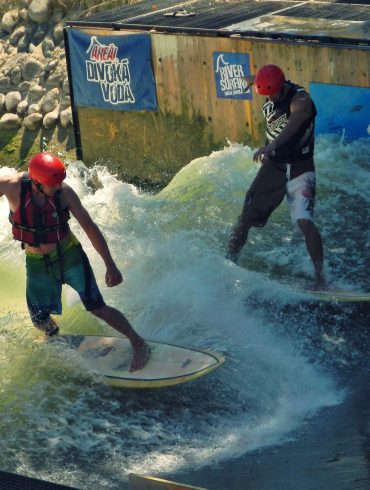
137, 482
110, 357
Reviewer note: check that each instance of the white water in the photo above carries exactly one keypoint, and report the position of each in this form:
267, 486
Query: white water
59, 423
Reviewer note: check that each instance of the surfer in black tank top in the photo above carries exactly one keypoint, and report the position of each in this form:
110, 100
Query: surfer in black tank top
287, 165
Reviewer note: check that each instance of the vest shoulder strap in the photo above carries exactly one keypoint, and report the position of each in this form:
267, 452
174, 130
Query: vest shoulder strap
25, 187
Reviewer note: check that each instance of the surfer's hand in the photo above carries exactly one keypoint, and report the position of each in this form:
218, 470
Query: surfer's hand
265, 151
113, 276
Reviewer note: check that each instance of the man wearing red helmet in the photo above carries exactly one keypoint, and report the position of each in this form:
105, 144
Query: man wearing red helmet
40, 203
288, 167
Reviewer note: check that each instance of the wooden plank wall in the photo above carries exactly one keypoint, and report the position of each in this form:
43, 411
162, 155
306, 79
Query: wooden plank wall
191, 121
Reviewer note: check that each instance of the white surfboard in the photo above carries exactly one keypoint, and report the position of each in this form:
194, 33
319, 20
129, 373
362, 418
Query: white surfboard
339, 295
110, 357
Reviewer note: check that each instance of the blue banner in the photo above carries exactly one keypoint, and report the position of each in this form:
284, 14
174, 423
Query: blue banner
112, 72
229, 70
342, 109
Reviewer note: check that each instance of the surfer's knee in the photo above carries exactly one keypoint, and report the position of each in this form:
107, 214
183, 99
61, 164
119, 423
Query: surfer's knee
99, 312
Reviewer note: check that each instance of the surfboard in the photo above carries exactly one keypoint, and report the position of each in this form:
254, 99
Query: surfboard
169, 364
338, 295
138, 482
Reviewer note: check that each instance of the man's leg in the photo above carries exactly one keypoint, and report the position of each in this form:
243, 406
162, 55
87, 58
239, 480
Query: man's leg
115, 319
264, 195
43, 321
237, 241
315, 249
43, 295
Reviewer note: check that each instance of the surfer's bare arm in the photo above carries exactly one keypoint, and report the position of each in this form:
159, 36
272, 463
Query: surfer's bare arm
300, 111
113, 276
10, 188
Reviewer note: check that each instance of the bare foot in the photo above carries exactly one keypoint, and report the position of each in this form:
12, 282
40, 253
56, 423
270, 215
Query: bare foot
320, 283
141, 356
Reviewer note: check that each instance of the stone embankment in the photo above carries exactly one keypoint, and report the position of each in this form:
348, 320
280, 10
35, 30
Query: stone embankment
34, 88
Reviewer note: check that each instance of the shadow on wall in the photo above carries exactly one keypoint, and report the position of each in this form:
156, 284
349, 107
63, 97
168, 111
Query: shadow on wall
17, 146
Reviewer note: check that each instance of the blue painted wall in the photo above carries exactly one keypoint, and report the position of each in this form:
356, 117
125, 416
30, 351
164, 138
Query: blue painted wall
342, 107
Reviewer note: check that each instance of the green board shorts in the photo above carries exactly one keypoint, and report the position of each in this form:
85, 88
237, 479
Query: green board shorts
47, 273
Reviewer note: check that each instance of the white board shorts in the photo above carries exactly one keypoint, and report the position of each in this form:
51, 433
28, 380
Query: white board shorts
300, 193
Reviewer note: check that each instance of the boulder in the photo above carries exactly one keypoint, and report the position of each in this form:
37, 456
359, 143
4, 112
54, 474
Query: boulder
48, 47
39, 10
35, 93
5, 85
58, 36
51, 101
32, 69
24, 87
16, 76
10, 20
2, 102
10, 121
34, 108
66, 118
12, 100
17, 35
22, 107
33, 121
51, 119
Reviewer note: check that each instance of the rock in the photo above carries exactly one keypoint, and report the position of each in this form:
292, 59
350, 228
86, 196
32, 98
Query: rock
65, 102
39, 10
40, 33
23, 15
51, 101
66, 118
5, 85
16, 76
51, 119
17, 35
23, 45
10, 121
31, 69
51, 65
23, 88
34, 108
12, 100
58, 16
65, 86
22, 107
1, 49
33, 121
2, 102
10, 20
10, 50
48, 47
54, 81
58, 36
36, 92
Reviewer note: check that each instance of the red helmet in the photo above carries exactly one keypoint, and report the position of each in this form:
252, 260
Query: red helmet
47, 169
269, 80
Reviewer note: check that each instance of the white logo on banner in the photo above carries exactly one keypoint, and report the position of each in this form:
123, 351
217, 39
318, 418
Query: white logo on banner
112, 74
231, 76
